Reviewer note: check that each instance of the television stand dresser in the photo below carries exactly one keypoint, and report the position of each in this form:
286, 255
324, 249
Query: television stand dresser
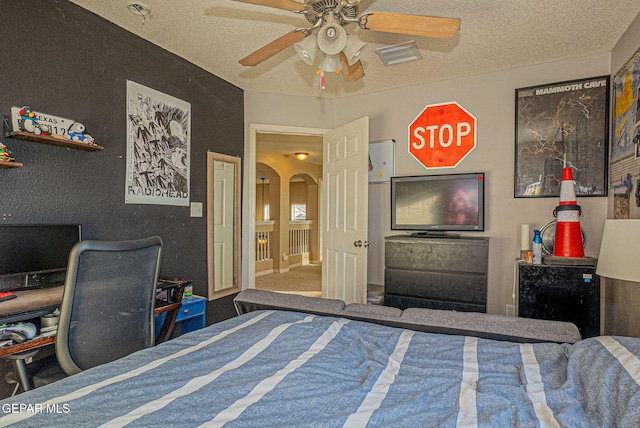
436, 272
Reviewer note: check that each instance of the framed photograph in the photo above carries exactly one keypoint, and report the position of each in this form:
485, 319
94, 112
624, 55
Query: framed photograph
558, 124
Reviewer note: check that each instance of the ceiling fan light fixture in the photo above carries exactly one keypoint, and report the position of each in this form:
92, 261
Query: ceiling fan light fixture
301, 156
307, 49
339, 53
331, 64
332, 39
395, 54
354, 49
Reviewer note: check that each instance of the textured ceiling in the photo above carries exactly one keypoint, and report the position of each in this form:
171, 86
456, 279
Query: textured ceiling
494, 35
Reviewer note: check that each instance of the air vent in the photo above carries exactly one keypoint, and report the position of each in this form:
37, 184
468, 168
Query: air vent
396, 54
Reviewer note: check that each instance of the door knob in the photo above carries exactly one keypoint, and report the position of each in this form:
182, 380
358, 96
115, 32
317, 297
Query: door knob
366, 244
357, 243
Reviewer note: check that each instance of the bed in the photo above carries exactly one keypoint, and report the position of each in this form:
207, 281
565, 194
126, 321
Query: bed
285, 368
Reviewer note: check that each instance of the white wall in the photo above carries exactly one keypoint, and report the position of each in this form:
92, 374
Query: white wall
491, 98
275, 109
271, 111
626, 46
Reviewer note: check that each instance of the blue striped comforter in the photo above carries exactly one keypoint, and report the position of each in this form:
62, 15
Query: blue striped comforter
288, 369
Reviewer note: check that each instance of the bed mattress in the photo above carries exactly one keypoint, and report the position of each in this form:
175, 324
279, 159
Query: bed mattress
282, 368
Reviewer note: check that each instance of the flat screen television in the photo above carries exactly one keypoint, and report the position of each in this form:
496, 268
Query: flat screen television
435, 204
36, 249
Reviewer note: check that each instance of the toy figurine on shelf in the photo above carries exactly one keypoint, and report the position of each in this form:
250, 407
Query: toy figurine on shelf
5, 154
28, 121
76, 133
25, 121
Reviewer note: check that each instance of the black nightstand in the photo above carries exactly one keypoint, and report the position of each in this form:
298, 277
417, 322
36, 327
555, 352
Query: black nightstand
561, 293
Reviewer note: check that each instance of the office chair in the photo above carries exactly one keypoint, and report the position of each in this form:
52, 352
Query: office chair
107, 309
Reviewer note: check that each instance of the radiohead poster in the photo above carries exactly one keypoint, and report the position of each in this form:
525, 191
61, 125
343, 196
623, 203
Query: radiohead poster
158, 147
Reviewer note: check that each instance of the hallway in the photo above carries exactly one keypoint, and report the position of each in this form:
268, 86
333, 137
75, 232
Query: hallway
303, 280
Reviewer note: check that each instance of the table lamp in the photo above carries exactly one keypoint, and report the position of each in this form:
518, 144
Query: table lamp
619, 250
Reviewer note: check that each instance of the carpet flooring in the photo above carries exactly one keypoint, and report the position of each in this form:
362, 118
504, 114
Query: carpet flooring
302, 280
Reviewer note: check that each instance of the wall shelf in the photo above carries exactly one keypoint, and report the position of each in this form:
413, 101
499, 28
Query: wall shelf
43, 139
10, 164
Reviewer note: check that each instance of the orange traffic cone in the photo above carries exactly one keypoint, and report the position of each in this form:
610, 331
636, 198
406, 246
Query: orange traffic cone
568, 240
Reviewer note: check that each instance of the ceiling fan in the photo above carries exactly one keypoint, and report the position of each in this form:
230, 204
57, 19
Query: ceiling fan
340, 51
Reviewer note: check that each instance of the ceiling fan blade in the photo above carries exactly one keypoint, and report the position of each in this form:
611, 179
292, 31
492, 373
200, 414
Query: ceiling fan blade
417, 25
288, 5
272, 48
351, 73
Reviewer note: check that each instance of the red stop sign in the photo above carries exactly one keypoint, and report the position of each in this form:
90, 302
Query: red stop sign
442, 135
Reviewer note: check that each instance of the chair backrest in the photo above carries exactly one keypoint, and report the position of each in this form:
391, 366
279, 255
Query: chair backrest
108, 302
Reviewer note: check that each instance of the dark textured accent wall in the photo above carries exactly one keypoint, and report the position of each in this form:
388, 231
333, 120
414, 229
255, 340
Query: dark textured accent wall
63, 60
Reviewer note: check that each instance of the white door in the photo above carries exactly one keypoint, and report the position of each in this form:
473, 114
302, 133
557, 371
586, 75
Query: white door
344, 264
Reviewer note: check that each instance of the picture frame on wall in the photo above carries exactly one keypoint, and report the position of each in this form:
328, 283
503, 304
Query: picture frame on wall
557, 125
158, 147
624, 175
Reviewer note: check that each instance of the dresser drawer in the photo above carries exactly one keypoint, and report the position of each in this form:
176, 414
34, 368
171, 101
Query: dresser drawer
439, 273
191, 316
437, 254
450, 286
404, 302
192, 306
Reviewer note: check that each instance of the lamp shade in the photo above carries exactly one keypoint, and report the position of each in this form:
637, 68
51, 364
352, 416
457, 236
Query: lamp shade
354, 49
618, 258
307, 49
332, 39
331, 63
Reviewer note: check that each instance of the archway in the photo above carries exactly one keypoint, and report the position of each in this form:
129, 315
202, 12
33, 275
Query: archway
287, 225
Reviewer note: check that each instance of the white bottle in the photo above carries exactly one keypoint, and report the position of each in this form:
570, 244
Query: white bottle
537, 248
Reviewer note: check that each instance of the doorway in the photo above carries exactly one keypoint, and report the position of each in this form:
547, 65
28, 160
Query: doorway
345, 153
288, 223
249, 189
303, 280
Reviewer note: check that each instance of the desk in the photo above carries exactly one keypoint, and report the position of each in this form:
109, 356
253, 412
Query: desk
30, 304
36, 303
38, 342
